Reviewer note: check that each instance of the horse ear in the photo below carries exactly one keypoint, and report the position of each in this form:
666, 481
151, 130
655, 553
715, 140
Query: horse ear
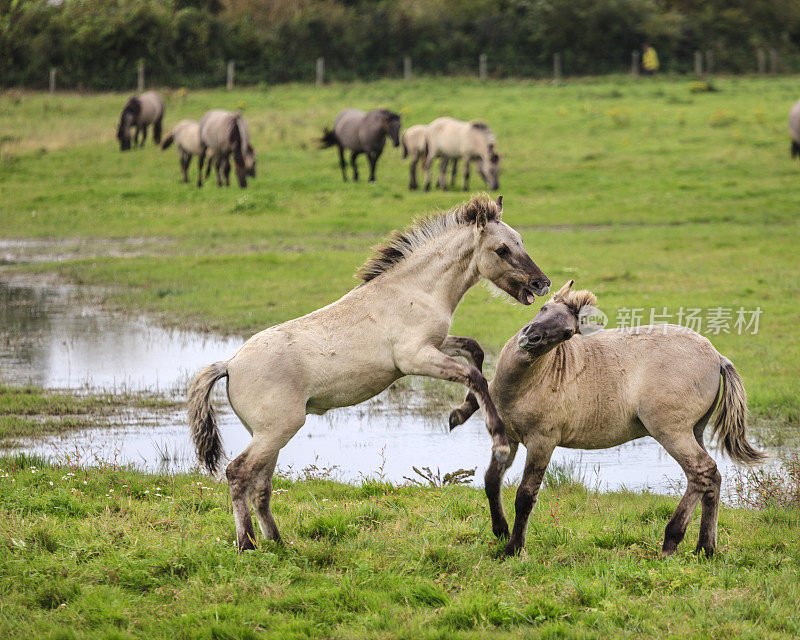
499, 203
563, 291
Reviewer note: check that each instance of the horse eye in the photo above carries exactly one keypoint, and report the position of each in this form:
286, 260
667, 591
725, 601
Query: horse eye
503, 251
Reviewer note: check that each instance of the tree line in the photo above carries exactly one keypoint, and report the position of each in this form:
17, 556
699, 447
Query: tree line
97, 44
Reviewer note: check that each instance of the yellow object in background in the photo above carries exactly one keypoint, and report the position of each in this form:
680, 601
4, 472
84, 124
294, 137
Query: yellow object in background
650, 59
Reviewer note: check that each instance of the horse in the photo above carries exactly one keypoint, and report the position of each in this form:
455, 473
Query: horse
140, 111
794, 129
395, 323
554, 386
226, 133
362, 133
186, 136
414, 144
451, 139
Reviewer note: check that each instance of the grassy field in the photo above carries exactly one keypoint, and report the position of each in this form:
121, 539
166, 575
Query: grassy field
114, 554
646, 193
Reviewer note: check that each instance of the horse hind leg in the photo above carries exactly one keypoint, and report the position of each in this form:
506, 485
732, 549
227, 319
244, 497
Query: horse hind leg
144, 135
466, 174
703, 482
709, 503
353, 156
443, 173
453, 174
342, 163
260, 495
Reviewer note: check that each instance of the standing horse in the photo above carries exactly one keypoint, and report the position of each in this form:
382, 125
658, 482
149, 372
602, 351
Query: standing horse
394, 324
226, 133
414, 145
362, 133
794, 129
186, 136
451, 139
556, 387
140, 111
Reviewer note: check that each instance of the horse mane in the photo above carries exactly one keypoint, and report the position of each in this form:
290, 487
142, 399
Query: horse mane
576, 300
133, 105
389, 115
401, 243
480, 125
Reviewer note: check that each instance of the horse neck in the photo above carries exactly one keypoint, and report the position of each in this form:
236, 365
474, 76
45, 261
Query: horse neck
556, 366
443, 267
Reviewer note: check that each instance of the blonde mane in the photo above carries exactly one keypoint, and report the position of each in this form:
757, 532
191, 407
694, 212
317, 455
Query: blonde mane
402, 243
576, 300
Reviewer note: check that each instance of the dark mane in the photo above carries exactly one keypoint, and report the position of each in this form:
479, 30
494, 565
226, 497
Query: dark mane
133, 105
389, 115
401, 243
480, 125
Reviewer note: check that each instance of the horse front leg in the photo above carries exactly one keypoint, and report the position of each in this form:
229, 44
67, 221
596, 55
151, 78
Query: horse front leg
470, 349
144, 136
342, 163
443, 173
200, 160
453, 174
466, 173
353, 156
427, 166
430, 361
412, 178
373, 163
186, 158
492, 482
539, 452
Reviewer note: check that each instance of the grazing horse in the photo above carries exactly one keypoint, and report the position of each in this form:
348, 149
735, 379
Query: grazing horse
225, 133
186, 136
794, 129
554, 386
140, 111
414, 145
362, 133
394, 324
451, 139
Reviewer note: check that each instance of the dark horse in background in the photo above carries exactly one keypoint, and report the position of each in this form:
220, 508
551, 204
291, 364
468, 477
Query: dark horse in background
140, 111
362, 133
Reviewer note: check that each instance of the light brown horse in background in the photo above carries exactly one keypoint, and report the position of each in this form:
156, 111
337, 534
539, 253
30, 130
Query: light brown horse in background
394, 324
451, 140
554, 387
225, 133
186, 136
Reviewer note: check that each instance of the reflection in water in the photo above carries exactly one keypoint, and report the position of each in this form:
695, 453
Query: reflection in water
49, 339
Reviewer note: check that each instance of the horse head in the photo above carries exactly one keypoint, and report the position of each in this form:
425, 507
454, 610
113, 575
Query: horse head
557, 321
490, 167
502, 259
130, 112
390, 124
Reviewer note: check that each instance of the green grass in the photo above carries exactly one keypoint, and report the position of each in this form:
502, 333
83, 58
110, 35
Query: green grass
27, 412
110, 553
646, 193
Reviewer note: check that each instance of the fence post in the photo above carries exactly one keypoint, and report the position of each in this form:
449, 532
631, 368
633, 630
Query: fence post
407, 68
231, 71
140, 81
635, 64
773, 60
320, 71
762, 61
557, 67
698, 63
709, 61
482, 66
52, 80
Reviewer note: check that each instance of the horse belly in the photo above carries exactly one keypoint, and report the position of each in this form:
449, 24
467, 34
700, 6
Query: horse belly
347, 388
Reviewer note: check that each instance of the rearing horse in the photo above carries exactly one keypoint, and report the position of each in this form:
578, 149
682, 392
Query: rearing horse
394, 324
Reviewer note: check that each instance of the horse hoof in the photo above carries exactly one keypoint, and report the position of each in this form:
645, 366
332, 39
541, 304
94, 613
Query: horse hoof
455, 419
511, 549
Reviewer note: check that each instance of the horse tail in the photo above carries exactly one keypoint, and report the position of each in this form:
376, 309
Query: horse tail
203, 418
328, 138
168, 141
405, 148
795, 149
730, 425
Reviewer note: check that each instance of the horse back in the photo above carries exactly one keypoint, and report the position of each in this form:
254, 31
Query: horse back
152, 107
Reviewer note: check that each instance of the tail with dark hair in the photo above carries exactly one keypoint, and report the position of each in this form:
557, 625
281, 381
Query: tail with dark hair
405, 148
168, 141
203, 418
328, 138
795, 149
730, 425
